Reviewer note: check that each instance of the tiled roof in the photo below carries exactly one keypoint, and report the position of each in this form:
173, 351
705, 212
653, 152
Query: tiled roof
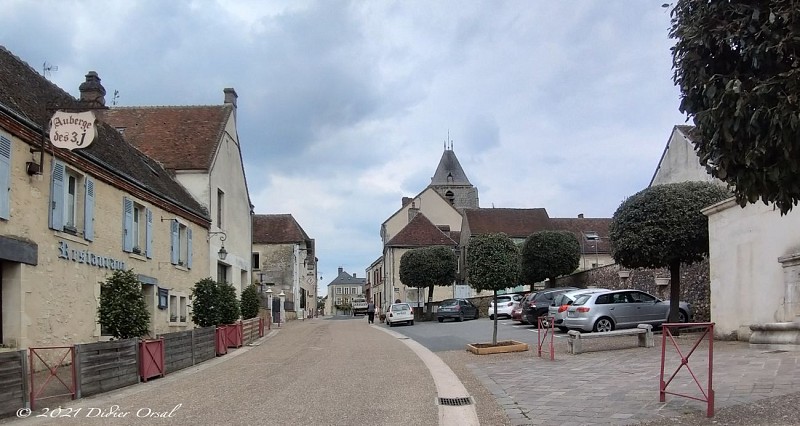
449, 171
345, 278
277, 229
582, 226
180, 137
516, 223
420, 232
31, 97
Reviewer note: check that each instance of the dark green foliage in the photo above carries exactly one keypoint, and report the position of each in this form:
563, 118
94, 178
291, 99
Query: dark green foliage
228, 304
548, 255
662, 226
737, 64
122, 309
213, 303
492, 264
427, 267
250, 302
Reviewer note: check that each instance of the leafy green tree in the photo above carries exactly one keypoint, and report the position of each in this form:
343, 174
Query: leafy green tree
122, 310
492, 264
229, 309
547, 255
662, 226
426, 267
205, 310
737, 64
250, 302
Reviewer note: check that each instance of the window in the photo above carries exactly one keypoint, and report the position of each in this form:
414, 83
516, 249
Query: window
222, 273
137, 228
71, 201
338, 290
5, 177
256, 261
178, 308
163, 293
220, 208
181, 244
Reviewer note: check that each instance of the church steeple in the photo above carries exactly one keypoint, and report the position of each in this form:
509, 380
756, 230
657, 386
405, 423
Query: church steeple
451, 182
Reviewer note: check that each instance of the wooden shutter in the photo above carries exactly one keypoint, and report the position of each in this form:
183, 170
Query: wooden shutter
149, 234
57, 196
5, 177
127, 224
189, 247
175, 248
88, 210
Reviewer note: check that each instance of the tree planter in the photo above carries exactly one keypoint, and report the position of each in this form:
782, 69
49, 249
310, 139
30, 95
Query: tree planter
501, 347
234, 335
220, 342
151, 358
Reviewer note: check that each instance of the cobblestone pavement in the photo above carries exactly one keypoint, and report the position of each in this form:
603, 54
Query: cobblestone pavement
617, 383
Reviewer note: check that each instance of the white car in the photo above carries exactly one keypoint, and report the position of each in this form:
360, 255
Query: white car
399, 312
505, 305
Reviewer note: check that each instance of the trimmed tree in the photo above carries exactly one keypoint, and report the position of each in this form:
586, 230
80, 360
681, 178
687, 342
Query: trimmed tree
548, 255
122, 310
492, 264
736, 64
662, 227
250, 302
205, 312
229, 309
426, 267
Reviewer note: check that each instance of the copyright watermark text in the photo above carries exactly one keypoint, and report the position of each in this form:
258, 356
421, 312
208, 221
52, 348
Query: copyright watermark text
113, 411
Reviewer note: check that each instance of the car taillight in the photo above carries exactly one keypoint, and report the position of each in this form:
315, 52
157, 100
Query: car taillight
510, 304
390, 314
562, 308
582, 309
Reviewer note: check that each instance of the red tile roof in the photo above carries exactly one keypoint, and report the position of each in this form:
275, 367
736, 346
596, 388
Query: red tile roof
179, 137
420, 232
581, 226
277, 229
516, 223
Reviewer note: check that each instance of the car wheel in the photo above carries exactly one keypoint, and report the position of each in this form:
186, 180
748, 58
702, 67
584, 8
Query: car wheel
440, 319
563, 329
491, 317
391, 324
604, 324
460, 317
683, 316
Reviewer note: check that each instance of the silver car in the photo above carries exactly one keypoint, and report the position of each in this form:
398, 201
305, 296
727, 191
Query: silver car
558, 309
610, 310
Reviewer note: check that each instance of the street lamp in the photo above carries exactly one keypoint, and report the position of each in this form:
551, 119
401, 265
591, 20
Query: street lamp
222, 253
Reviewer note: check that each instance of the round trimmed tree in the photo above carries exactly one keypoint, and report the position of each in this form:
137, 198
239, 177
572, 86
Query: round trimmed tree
736, 65
426, 267
662, 226
250, 302
546, 255
492, 264
227, 303
122, 310
204, 303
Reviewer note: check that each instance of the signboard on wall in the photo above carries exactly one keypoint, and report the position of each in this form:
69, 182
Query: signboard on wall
72, 130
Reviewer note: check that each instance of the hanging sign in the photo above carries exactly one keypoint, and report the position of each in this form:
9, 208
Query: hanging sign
72, 130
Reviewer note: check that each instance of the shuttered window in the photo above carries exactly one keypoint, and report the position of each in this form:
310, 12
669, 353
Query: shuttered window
5, 177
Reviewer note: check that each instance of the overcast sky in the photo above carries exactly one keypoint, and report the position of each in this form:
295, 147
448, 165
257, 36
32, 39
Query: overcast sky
344, 107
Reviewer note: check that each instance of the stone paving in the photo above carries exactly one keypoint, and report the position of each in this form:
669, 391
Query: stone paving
620, 386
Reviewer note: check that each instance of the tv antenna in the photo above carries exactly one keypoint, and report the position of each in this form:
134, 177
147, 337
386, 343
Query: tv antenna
114, 98
48, 68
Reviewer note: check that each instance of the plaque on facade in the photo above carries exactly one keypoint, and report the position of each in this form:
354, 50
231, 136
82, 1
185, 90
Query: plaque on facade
71, 130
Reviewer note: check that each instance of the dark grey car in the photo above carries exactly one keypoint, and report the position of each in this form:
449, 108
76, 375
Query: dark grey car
457, 309
538, 304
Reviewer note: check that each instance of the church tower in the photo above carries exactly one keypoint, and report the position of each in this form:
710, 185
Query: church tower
451, 182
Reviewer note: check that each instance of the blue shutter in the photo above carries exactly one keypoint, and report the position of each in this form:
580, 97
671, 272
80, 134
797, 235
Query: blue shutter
88, 211
127, 224
5, 177
189, 247
57, 196
149, 234
175, 248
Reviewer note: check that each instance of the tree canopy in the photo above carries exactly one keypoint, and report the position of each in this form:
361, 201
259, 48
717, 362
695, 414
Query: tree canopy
737, 65
250, 302
213, 303
548, 255
492, 264
426, 267
122, 310
663, 226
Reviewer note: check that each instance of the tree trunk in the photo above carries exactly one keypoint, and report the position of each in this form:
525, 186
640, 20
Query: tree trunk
428, 307
551, 282
494, 331
674, 292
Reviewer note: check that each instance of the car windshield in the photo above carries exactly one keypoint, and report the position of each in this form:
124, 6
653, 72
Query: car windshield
403, 307
449, 302
583, 298
501, 299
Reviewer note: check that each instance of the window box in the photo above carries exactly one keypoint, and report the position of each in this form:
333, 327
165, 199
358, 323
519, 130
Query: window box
137, 250
173, 318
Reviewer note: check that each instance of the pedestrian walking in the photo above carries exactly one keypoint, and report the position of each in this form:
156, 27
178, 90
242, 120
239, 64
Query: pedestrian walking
371, 312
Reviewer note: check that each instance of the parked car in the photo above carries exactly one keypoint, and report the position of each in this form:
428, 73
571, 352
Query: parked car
620, 309
505, 304
457, 309
516, 314
399, 312
558, 309
538, 304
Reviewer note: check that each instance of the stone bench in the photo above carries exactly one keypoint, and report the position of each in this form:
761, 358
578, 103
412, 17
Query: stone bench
644, 333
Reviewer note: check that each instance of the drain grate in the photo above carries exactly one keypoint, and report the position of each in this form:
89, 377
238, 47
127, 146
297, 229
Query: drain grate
455, 401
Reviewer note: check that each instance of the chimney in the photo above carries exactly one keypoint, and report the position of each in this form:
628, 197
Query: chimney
412, 213
354, 274
230, 96
92, 92
340, 269
406, 200
580, 215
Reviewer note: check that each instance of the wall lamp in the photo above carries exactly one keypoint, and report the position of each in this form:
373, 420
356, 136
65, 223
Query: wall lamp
222, 237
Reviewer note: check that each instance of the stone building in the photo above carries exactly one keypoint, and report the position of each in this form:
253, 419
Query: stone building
342, 290
70, 217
